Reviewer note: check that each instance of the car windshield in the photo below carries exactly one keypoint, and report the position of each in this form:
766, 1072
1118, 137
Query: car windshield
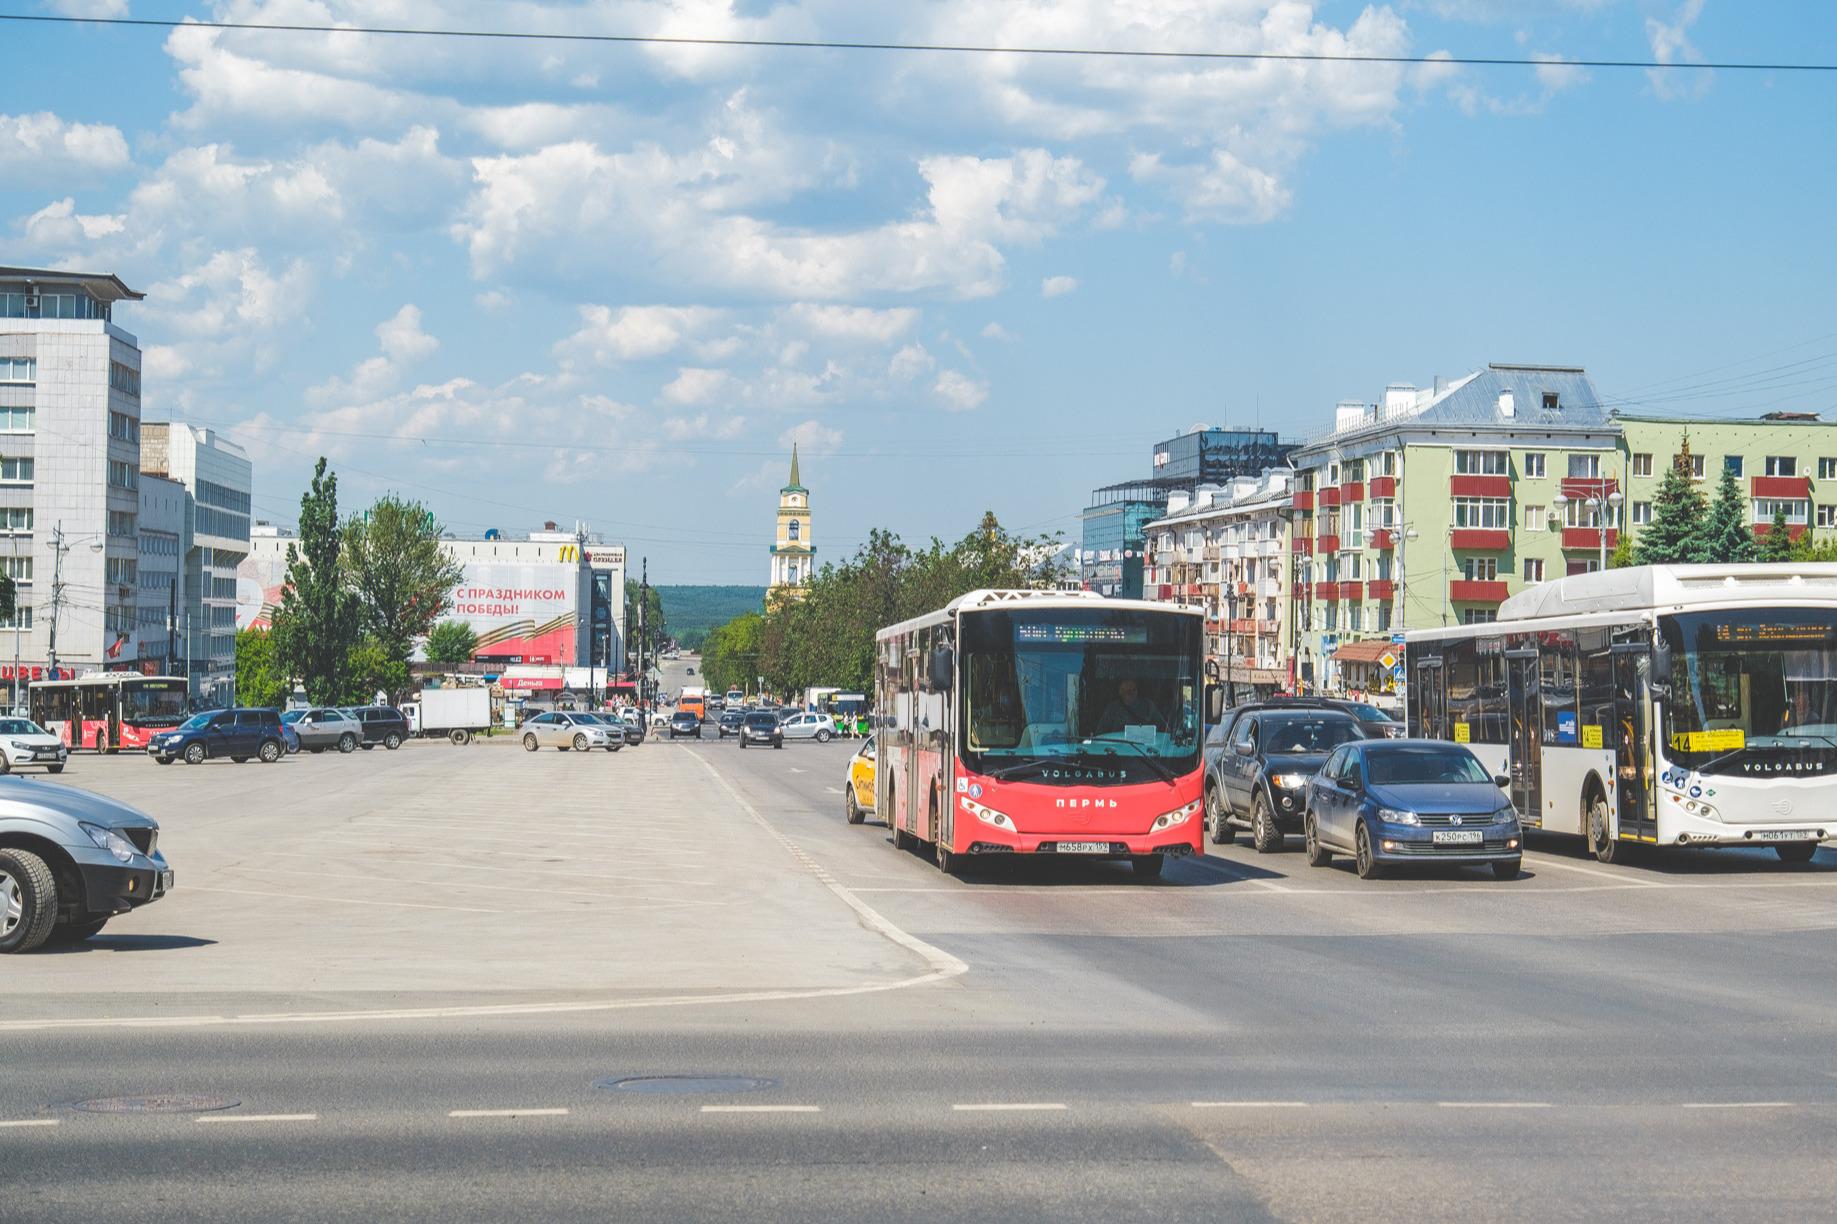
1370, 713
1424, 763
1313, 734
197, 722
20, 726
767, 721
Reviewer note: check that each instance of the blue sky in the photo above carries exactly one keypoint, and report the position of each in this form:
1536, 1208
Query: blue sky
612, 283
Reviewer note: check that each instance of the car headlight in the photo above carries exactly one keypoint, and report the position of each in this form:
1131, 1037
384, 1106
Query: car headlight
1398, 816
1167, 820
111, 841
1506, 815
22, 745
987, 815
1290, 781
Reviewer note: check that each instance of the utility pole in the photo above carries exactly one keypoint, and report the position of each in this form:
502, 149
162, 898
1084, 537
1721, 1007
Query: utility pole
57, 591
172, 624
644, 598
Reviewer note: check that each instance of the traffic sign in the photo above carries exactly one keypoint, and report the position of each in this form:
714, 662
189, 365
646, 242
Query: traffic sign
1396, 639
1388, 660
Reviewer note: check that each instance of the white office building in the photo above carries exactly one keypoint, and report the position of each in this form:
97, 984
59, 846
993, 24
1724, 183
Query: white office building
163, 545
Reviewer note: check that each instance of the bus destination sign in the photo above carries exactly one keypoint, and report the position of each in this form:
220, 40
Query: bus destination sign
1050, 633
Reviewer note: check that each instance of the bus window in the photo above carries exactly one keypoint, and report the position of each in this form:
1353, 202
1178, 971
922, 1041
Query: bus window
1557, 684
1492, 723
1460, 675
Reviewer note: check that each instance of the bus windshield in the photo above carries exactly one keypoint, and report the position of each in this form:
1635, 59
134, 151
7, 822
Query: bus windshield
1080, 685
1753, 691
153, 701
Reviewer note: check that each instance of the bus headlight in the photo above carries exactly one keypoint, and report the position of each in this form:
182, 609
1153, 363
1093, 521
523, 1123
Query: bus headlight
987, 815
1398, 816
1167, 820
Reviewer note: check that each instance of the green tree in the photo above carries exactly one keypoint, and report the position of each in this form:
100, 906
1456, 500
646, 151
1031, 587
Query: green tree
1622, 556
316, 623
9, 597
260, 679
730, 655
1725, 534
402, 578
370, 668
451, 641
1776, 545
656, 625
1679, 514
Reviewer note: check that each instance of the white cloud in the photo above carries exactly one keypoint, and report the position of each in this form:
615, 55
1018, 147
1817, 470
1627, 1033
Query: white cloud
1058, 286
45, 144
850, 322
59, 224
702, 425
1671, 45
162, 361
231, 292
959, 392
1222, 188
402, 344
812, 438
496, 301
697, 385
910, 362
635, 333
995, 331
91, 8
1556, 74
402, 339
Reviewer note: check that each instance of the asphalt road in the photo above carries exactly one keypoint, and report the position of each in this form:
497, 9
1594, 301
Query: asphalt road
409, 971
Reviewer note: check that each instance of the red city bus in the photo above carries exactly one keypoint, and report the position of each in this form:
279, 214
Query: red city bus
1043, 722
108, 711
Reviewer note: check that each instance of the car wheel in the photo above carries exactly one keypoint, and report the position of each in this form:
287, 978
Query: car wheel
460, 737
1148, 866
392, 741
529, 742
742, 741
75, 932
1605, 845
1263, 828
1369, 866
778, 743
195, 754
270, 752
822, 737
852, 809
580, 743
1795, 852
1507, 870
28, 901
1218, 820
1318, 855
6, 763
347, 742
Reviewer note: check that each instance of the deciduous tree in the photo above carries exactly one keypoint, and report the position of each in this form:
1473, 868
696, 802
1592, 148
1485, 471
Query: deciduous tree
450, 642
261, 680
316, 623
402, 578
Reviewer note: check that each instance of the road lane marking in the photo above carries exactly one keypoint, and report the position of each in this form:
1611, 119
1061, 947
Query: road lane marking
1005, 1107
1493, 1104
762, 1109
834, 790
795, 769
1545, 859
1250, 1104
1738, 1105
312, 1117
506, 1113
25, 1122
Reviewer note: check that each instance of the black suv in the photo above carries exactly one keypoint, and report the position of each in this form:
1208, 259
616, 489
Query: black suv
762, 727
1259, 760
730, 722
237, 734
382, 725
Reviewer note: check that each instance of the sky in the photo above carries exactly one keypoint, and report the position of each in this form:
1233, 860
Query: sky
613, 283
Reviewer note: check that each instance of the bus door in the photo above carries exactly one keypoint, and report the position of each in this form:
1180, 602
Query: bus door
1633, 740
1523, 733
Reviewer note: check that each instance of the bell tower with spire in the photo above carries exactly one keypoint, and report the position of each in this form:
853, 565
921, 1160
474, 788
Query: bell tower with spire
792, 552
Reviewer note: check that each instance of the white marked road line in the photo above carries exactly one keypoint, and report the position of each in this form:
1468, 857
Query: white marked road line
1004, 1107
24, 1122
259, 1118
1493, 1104
1548, 860
795, 769
1250, 1104
505, 1113
762, 1109
834, 790
1738, 1105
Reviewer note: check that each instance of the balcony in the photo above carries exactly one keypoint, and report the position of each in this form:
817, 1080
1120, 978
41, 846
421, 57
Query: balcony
1479, 539
1381, 588
1302, 499
1326, 542
1302, 546
1795, 530
1383, 539
1353, 591
1480, 486
1384, 486
1352, 491
1328, 498
1244, 625
1589, 486
1588, 537
1780, 486
1474, 590
1327, 591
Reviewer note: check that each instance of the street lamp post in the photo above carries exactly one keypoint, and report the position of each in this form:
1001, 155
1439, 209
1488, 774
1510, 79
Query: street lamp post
1603, 508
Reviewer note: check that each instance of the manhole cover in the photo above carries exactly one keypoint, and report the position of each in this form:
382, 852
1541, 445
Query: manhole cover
683, 1085
162, 1104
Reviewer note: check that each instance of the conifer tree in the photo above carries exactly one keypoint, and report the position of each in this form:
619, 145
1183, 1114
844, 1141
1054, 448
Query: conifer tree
1726, 535
1676, 534
1776, 545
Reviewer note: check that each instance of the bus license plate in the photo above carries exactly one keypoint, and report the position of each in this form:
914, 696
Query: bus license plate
1783, 835
1459, 837
1084, 847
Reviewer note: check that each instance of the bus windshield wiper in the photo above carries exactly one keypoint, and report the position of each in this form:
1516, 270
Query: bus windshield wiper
1154, 762
1009, 771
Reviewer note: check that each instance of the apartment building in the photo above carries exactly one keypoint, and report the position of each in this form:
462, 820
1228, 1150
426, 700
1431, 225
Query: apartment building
1781, 459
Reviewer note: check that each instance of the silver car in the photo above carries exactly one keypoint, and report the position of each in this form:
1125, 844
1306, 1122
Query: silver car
323, 727
564, 729
819, 727
70, 861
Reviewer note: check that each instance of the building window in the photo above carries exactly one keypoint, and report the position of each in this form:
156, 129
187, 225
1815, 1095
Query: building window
1478, 616
1349, 566
1533, 569
1536, 518
1579, 513
1384, 617
21, 618
123, 475
1387, 463
1696, 465
1642, 464
1551, 401
19, 569
18, 420
1534, 465
123, 428
1479, 463
1383, 514
1642, 513
794, 529
1732, 465
1782, 465
1355, 524
16, 520
15, 471
124, 379
1480, 569
1333, 473
1584, 467
121, 571
1583, 567
1827, 469
1492, 513
1796, 509
1827, 515
18, 369
121, 522
1355, 619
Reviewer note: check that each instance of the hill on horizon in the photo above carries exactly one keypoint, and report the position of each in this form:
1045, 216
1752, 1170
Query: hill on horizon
694, 610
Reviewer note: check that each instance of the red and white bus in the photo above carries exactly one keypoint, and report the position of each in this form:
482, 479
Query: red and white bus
108, 711
1043, 722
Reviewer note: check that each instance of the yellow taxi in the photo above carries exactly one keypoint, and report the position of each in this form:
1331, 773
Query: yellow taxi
859, 785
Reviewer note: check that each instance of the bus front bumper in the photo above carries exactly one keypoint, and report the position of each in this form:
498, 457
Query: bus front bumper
1096, 845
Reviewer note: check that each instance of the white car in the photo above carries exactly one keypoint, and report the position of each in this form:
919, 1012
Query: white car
565, 729
24, 742
819, 727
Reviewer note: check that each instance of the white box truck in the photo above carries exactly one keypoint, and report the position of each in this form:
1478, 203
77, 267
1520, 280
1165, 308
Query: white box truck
457, 713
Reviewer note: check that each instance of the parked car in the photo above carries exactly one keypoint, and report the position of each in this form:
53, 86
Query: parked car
71, 860
1387, 801
633, 721
819, 727
380, 725
730, 722
237, 734
762, 727
858, 785
685, 722
322, 727
611, 723
564, 729
1375, 721
24, 742
290, 739
1258, 763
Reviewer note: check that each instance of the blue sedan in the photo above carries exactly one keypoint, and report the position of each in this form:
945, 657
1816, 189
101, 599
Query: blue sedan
1392, 801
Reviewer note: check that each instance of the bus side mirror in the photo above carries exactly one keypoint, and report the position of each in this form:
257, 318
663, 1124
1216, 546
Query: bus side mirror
943, 669
1215, 703
1661, 662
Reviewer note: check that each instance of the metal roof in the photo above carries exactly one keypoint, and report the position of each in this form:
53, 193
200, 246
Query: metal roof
103, 286
1473, 402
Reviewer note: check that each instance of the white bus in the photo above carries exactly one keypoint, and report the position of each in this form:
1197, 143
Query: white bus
1686, 705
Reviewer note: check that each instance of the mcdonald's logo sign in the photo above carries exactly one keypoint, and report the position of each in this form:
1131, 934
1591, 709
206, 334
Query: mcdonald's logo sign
570, 552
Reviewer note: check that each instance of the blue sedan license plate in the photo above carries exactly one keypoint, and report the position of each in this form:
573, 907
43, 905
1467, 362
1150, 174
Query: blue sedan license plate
1459, 837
